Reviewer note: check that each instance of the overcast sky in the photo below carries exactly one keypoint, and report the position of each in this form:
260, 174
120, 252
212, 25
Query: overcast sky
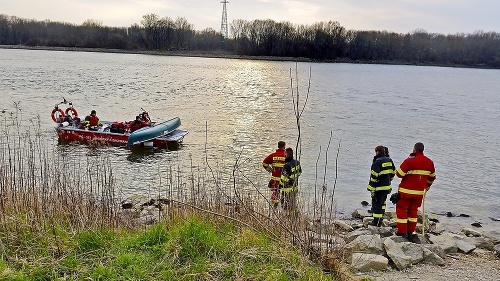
402, 16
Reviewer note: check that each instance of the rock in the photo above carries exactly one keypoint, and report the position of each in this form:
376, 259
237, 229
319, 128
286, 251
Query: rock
414, 251
432, 217
395, 252
353, 235
437, 228
367, 221
497, 250
464, 247
383, 231
135, 201
360, 214
476, 224
343, 225
495, 219
481, 242
371, 244
445, 241
367, 262
364, 203
493, 235
431, 257
436, 249
471, 232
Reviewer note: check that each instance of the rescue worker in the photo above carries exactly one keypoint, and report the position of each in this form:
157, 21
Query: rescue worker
382, 173
274, 163
289, 182
135, 125
417, 174
92, 122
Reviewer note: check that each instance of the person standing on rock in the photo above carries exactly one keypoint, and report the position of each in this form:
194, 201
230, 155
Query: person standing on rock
417, 174
382, 173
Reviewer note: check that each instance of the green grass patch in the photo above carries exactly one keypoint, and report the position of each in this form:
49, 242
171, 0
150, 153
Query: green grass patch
191, 249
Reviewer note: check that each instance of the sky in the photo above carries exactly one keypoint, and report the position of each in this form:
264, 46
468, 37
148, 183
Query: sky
401, 16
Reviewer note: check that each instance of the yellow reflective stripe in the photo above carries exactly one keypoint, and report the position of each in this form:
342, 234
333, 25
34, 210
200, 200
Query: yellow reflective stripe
411, 191
387, 187
383, 207
412, 219
377, 215
385, 172
373, 180
386, 164
419, 172
432, 175
401, 220
290, 189
400, 172
278, 165
371, 188
275, 178
374, 173
430, 181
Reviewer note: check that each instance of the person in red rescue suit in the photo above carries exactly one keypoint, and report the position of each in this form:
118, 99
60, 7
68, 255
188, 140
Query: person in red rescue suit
136, 124
92, 122
274, 163
289, 183
417, 174
382, 173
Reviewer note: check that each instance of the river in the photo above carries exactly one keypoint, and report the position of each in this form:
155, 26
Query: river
236, 110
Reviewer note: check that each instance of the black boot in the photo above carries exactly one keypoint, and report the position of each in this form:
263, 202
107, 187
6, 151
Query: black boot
404, 235
413, 237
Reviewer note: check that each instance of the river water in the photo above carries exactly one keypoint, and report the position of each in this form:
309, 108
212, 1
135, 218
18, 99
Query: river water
237, 110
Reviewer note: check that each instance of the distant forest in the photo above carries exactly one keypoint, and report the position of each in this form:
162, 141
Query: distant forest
322, 41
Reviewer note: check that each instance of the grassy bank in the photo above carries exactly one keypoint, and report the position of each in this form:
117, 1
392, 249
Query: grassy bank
183, 249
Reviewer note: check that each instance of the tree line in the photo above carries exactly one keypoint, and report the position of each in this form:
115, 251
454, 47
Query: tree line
322, 41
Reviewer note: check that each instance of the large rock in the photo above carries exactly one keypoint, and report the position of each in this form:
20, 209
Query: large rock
396, 254
343, 225
432, 258
445, 241
383, 231
481, 242
436, 249
353, 235
371, 244
367, 262
471, 232
414, 251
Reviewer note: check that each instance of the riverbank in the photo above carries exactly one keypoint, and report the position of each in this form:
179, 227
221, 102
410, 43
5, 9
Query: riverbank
228, 55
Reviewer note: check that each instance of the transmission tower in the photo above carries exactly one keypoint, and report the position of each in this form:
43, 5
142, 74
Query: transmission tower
223, 25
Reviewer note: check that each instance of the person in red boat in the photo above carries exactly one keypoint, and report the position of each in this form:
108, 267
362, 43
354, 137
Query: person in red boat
92, 122
136, 124
274, 163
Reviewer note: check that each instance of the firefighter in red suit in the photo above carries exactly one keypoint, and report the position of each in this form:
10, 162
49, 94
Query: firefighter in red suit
274, 163
135, 125
417, 174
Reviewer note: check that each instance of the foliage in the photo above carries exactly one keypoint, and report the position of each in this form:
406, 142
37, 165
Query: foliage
324, 41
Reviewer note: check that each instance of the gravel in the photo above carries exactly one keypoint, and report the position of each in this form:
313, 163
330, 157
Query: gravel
480, 265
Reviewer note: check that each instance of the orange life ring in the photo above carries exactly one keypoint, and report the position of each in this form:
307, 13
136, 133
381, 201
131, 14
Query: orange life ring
61, 114
73, 110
